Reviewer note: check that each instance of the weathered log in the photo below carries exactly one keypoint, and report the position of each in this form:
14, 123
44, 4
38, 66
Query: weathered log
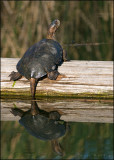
70, 110
79, 79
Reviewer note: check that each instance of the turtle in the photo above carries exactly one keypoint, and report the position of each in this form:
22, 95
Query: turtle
42, 125
41, 59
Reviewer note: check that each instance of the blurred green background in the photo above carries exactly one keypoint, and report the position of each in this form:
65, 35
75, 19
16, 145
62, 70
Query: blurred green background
24, 23
82, 141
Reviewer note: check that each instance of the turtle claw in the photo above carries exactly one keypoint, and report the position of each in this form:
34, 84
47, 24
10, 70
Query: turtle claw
60, 77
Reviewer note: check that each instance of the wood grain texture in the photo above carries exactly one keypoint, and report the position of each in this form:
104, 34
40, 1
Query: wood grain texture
94, 77
70, 110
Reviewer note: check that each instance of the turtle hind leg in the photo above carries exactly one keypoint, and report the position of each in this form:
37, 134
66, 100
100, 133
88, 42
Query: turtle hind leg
17, 112
33, 85
53, 75
54, 115
14, 76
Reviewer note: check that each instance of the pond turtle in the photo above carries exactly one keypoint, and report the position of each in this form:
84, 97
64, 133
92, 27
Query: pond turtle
43, 125
41, 59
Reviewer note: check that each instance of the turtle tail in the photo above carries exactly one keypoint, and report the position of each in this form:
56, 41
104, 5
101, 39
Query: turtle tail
14, 76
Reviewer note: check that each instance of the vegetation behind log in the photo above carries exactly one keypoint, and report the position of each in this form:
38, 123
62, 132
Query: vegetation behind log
26, 22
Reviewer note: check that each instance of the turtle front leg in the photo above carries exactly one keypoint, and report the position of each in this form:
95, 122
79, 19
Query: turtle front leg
33, 85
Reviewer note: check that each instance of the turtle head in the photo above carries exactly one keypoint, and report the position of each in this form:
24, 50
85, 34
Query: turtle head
57, 147
54, 25
52, 29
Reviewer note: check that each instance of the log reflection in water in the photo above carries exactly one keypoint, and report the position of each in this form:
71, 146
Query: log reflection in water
70, 110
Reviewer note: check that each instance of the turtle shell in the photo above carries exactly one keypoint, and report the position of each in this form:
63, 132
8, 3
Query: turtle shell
40, 59
42, 127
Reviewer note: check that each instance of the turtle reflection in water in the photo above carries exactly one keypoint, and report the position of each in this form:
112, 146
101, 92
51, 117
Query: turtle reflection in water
43, 125
40, 60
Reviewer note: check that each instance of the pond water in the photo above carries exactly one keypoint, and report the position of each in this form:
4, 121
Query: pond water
29, 135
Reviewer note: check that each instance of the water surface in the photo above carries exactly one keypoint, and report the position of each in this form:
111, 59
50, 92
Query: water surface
82, 140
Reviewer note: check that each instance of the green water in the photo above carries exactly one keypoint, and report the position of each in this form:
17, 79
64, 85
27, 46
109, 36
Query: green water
81, 141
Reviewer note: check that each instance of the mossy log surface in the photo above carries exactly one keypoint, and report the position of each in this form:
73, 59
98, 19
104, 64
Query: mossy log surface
79, 79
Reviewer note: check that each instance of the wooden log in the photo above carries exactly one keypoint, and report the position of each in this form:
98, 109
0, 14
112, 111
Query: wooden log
70, 110
79, 79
